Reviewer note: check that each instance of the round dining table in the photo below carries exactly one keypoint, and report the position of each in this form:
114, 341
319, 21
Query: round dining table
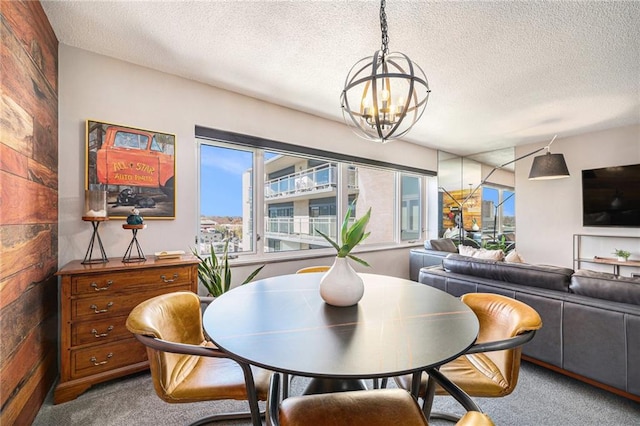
398, 327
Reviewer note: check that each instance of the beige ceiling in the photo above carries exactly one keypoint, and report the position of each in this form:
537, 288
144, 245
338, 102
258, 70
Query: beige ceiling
502, 73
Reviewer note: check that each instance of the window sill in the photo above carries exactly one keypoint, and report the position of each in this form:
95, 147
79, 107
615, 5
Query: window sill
269, 258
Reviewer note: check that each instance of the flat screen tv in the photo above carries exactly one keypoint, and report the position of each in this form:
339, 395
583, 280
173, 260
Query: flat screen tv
611, 196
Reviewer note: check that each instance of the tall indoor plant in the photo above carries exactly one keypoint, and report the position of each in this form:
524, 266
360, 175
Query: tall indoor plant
341, 285
215, 274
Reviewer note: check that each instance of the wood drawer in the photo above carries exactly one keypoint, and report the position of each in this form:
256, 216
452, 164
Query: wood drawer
99, 330
116, 282
112, 289
107, 306
100, 358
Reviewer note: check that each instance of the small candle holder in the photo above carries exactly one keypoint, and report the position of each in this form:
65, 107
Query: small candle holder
95, 203
95, 211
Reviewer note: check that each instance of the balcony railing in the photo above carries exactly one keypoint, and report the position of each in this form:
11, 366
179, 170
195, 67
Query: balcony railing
320, 178
303, 226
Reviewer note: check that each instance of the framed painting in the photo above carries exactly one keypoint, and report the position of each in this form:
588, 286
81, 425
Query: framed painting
136, 167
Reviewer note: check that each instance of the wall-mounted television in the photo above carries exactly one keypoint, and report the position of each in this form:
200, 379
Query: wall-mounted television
611, 196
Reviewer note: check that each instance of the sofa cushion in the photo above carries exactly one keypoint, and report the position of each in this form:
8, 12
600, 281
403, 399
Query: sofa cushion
549, 277
481, 253
602, 285
514, 257
443, 244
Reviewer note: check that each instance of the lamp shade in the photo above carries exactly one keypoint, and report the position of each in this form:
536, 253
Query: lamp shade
548, 166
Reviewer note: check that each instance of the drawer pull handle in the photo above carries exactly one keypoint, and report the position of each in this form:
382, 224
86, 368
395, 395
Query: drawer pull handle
95, 361
164, 278
96, 288
101, 311
95, 332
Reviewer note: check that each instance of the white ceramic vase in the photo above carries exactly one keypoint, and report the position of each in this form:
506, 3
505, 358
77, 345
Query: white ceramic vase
341, 285
622, 259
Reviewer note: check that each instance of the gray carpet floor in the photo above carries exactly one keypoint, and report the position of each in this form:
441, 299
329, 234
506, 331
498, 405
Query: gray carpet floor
542, 397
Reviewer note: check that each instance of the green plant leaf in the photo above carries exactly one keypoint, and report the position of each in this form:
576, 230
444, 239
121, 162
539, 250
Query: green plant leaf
345, 223
215, 274
326, 237
253, 274
357, 259
356, 233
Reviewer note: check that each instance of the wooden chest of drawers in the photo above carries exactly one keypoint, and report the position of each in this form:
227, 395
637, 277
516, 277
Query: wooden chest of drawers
95, 301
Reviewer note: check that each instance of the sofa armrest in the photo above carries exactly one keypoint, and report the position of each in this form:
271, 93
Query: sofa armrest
420, 258
434, 276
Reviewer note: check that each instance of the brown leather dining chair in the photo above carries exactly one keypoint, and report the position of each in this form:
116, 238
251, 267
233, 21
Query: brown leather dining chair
185, 367
309, 269
490, 368
379, 407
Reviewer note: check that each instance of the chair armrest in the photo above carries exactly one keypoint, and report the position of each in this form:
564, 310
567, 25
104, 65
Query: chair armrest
500, 345
206, 299
180, 348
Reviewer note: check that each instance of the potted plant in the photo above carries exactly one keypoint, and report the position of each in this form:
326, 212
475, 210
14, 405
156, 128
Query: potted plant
623, 255
500, 244
215, 274
341, 285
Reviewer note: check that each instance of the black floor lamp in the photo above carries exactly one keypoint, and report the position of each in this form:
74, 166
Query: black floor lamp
544, 167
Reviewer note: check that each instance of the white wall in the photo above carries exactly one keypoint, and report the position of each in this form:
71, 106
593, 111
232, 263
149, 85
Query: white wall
549, 212
103, 89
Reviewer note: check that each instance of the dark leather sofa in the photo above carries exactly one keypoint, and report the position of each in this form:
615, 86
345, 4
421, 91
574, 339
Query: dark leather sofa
591, 320
433, 253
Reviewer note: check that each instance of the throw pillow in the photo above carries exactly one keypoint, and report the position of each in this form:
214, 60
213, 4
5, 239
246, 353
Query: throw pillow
489, 254
481, 253
467, 250
443, 244
514, 257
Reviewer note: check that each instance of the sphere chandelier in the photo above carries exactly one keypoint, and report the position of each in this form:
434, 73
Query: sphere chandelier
385, 94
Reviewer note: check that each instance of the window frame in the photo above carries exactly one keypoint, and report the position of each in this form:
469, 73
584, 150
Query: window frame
258, 146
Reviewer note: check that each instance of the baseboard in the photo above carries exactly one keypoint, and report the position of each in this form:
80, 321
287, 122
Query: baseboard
583, 379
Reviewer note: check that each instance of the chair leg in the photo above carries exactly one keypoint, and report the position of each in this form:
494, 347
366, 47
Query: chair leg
380, 383
444, 416
252, 394
427, 401
286, 380
240, 415
453, 390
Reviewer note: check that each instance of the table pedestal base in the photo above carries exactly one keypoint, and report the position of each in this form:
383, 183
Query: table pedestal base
317, 386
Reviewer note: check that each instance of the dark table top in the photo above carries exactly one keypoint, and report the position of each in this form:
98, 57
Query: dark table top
398, 327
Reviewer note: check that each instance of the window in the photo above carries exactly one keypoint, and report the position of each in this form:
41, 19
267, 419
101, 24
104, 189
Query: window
410, 207
498, 212
130, 140
292, 196
375, 188
226, 199
301, 194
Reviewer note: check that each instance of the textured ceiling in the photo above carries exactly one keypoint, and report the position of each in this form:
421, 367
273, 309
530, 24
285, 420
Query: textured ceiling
501, 73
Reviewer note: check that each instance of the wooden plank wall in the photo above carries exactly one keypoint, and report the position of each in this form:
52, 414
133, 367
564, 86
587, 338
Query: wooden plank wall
28, 210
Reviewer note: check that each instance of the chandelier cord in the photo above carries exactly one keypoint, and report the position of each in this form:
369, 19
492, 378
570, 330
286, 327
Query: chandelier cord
384, 28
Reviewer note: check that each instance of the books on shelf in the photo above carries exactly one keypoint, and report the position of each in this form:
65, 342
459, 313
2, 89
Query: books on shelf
174, 254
